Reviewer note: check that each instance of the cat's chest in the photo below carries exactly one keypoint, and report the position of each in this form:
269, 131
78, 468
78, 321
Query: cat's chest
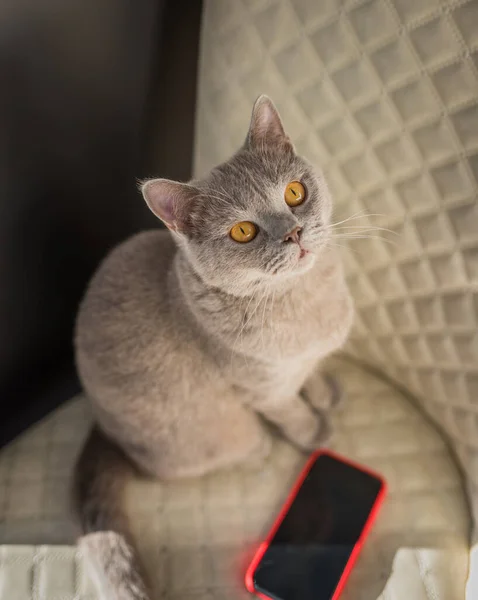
300, 323
279, 353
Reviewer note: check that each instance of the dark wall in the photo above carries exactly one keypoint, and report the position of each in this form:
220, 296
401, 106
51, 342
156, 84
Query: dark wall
84, 111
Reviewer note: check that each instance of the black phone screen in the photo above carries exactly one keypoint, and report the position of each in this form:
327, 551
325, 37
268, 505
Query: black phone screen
308, 554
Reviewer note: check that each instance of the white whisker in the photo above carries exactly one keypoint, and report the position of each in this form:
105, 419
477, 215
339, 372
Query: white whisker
352, 236
242, 325
264, 315
361, 228
358, 215
273, 331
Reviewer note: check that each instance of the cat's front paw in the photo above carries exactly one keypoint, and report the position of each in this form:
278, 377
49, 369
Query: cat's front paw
323, 392
317, 433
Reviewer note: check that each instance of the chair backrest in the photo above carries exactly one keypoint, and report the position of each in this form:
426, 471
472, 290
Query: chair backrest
384, 96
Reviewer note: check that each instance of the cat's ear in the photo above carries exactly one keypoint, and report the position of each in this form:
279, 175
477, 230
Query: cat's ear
170, 201
266, 129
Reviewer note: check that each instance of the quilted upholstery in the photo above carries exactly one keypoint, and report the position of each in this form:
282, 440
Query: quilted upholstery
383, 94
212, 525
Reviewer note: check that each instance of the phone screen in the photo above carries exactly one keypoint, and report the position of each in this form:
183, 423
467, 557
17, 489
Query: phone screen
310, 550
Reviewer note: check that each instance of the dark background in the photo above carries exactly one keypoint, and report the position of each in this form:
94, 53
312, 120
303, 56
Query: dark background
93, 95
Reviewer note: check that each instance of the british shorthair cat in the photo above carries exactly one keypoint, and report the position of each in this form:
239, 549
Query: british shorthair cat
190, 341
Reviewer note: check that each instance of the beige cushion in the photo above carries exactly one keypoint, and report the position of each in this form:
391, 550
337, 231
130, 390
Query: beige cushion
384, 97
213, 524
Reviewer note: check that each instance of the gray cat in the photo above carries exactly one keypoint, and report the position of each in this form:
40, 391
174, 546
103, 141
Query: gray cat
190, 340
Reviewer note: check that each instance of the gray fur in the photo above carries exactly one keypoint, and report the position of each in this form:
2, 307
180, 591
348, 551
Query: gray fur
187, 340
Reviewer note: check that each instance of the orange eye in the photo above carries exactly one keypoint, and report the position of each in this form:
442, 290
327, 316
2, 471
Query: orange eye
243, 232
294, 193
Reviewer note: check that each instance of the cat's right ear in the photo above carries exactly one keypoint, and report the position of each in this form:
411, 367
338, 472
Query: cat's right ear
266, 130
170, 201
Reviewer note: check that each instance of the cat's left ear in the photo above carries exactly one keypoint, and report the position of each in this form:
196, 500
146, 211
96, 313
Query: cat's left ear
266, 129
171, 202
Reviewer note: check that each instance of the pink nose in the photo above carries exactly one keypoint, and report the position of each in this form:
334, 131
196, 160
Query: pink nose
293, 236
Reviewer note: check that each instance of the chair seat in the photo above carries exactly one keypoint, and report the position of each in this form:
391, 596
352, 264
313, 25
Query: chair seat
196, 536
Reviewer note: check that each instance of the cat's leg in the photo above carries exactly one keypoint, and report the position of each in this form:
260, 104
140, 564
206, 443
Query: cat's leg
305, 428
322, 391
232, 434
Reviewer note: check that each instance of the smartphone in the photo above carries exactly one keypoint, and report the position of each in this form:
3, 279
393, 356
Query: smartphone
319, 532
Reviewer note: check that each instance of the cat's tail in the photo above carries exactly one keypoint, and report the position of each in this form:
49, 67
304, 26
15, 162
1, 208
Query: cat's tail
99, 480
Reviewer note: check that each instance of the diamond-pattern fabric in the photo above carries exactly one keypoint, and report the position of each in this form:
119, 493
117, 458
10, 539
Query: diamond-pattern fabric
383, 95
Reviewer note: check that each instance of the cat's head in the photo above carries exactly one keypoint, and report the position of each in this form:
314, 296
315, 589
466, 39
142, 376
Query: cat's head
258, 218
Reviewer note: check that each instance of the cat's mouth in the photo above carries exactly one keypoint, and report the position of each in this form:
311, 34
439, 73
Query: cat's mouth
298, 263
306, 259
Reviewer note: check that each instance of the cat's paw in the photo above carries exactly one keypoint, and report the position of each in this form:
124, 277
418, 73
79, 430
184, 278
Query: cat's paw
323, 392
316, 436
325, 431
337, 394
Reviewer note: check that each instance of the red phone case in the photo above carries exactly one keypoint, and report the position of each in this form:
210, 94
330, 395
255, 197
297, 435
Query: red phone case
249, 579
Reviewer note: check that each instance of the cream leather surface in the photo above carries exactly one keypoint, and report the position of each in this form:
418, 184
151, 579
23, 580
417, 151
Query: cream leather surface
196, 537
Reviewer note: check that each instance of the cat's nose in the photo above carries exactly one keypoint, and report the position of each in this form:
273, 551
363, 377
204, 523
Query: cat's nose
294, 235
